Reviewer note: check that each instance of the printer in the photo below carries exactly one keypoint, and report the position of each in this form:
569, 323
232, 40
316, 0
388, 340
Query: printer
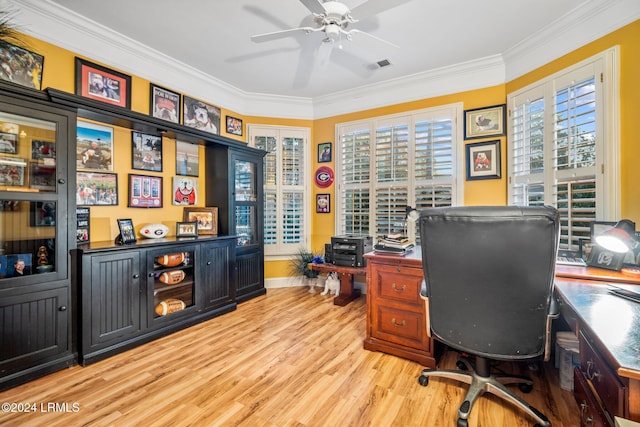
348, 250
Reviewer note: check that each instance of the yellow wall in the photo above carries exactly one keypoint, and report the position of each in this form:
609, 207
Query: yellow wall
59, 73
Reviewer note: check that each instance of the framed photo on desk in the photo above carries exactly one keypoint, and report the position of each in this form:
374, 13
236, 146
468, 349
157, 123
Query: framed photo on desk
602, 258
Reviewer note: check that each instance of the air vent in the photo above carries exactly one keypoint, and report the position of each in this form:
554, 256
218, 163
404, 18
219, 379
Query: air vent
383, 63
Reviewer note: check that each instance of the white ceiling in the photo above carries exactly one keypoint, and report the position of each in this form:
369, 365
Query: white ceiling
183, 44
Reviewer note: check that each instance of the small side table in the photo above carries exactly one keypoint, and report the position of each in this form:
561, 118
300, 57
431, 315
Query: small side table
347, 292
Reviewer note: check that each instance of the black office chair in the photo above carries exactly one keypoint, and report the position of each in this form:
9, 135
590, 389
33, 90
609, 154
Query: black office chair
488, 288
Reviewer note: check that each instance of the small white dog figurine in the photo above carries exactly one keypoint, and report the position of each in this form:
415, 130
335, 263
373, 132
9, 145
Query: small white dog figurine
332, 284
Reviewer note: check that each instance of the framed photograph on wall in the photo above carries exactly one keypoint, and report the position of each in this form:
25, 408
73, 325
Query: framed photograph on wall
8, 142
185, 191
186, 229
102, 84
234, 126
145, 191
200, 115
323, 203
165, 104
187, 158
127, 231
96, 189
24, 67
206, 218
324, 152
94, 146
483, 160
146, 152
484, 122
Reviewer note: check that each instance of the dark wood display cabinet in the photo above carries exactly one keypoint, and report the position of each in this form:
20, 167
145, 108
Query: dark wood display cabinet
132, 294
36, 195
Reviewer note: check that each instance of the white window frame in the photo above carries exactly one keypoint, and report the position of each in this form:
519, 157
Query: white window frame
282, 251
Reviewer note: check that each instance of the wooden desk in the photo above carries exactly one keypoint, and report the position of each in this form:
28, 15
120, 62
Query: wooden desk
347, 292
607, 382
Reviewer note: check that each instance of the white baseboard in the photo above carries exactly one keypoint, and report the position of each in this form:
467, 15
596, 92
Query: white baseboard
290, 282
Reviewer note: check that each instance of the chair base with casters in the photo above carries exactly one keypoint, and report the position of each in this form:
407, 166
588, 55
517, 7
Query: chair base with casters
481, 380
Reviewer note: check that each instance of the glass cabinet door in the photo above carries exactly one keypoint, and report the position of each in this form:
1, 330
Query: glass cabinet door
29, 207
245, 185
246, 198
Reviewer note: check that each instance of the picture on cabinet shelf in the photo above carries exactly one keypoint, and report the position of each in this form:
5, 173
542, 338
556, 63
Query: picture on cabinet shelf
94, 147
43, 150
207, 219
165, 104
185, 191
12, 171
96, 188
145, 191
127, 231
83, 224
8, 142
186, 229
187, 158
200, 115
42, 177
21, 66
146, 152
43, 214
102, 84
17, 265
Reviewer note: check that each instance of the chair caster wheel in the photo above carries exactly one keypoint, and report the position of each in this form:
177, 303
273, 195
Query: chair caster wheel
462, 423
423, 380
525, 388
460, 365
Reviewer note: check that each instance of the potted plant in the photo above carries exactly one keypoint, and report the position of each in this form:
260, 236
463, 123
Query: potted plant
299, 266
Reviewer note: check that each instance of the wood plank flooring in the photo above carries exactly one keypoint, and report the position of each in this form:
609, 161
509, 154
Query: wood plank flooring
290, 358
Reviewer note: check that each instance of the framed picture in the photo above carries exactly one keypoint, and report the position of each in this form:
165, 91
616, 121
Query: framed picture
145, 191
602, 258
12, 171
596, 228
8, 142
146, 152
21, 66
323, 203
206, 219
483, 160
186, 229
42, 214
43, 150
185, 191
99, 83
165, 104
324, 152
234, 126
483, 122
96, 188
42, 177
127, 231
16, 265
187, 158
83, 224
94, 146
200, 115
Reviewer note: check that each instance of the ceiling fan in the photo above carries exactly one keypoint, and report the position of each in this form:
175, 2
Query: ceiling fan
333, 19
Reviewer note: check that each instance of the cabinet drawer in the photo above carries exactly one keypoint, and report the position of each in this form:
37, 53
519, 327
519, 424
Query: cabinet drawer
399, 287
591, 412
605, 382
400, 327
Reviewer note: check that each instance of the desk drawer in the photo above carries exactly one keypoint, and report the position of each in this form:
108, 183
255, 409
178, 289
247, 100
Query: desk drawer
591, 412
605, 382
398, 285
400, 327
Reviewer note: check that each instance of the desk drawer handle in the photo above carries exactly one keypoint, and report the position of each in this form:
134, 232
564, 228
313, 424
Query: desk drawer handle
592, 375
398, 289
584, 409
399, 325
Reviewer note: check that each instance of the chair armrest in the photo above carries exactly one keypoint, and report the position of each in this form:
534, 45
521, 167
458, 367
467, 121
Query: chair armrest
554, 313
423, 290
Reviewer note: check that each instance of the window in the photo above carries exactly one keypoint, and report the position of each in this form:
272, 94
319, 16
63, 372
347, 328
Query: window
286, 195
388, 163
558, 147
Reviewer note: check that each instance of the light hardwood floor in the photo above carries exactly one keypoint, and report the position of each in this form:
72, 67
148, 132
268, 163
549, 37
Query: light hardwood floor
289, 358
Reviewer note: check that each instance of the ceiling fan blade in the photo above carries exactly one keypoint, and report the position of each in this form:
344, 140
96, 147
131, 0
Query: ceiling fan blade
259, 38
324, 54
373, 7
314, 6
356, 31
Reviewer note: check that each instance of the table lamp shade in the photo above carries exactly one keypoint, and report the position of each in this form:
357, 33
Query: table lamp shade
619, 237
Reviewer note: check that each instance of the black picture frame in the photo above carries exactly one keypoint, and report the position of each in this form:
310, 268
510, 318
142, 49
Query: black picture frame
83, 224
485, 122
145, 191
200, 115
234, 125
323, 203
598, 227
96, 188
165, 104
602, 258
146, 152
483, 160
187, 229
26, 67
127, 231
102, 84
324, 152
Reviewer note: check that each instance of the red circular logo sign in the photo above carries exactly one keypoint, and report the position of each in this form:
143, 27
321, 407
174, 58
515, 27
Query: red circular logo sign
324, 176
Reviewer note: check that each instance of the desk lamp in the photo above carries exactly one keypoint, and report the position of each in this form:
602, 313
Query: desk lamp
412, 216
618, 238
